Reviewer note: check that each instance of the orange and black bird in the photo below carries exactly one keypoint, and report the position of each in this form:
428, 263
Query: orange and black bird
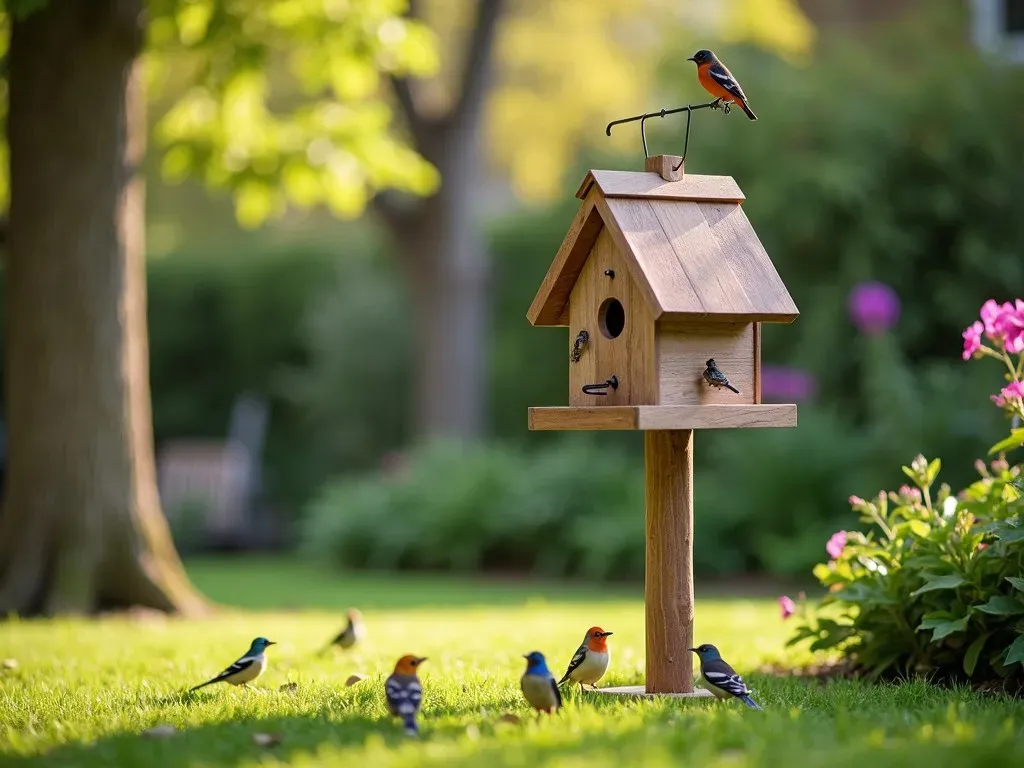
719, 82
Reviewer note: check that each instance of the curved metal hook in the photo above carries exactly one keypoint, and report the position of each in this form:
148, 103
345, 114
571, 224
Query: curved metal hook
594, 389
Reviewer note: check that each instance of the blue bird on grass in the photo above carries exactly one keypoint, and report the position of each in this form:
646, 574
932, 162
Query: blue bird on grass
538, 684
721, 679
246, 669
404, 692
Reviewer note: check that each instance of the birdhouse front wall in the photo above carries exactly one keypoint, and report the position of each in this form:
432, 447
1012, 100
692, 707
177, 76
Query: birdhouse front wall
614, 313
683, 349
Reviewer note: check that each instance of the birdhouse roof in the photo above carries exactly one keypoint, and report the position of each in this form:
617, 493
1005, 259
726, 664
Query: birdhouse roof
688, 245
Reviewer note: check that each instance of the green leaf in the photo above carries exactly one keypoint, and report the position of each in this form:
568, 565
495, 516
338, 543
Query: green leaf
973, 651
1002, 605
1018, 583
1015, 440
933, 470
920, 528
948, 628
950, 581
1015, 652
1010, 535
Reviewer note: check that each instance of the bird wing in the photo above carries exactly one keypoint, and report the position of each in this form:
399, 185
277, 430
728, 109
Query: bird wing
724, 78
554, 687
404, 696
577, 659
721, 675
239, 666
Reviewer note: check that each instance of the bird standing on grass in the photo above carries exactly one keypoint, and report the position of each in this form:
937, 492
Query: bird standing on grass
353, 632
404, 692
721, 679
590, 662
719, 82
538, 684
715, 378
246, 669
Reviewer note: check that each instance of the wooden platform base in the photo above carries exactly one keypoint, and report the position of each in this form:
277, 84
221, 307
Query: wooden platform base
641, 692
651, 417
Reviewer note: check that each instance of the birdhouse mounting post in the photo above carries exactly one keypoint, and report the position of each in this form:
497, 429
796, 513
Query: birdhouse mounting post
663, 285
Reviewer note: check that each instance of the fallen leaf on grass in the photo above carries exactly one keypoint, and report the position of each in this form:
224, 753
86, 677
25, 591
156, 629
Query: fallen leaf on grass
358, 677
161, 731
509, 717
10, 664
289, 688
266, 739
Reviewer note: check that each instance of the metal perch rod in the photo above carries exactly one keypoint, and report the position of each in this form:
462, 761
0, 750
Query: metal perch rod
688, 109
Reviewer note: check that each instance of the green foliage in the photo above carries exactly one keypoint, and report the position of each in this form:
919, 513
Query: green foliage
934, 584
568, 509
279, 100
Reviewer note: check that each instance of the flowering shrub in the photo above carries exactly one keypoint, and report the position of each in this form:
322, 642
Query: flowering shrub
936, 584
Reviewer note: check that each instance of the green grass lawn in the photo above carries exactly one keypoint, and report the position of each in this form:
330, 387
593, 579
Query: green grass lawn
84, 691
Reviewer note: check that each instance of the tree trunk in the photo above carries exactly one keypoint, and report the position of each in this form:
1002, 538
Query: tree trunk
448, 266
82, 528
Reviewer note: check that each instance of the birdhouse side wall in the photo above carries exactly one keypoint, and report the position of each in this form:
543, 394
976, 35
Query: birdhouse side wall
683, 349
630, 355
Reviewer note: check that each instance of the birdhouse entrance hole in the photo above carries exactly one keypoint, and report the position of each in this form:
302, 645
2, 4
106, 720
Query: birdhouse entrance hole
611, 318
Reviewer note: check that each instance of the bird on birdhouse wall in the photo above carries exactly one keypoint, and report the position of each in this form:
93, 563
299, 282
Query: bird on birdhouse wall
715, 378
719, 81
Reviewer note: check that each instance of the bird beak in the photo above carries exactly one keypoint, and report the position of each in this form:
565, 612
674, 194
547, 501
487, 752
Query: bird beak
421, 659
526, 655
606, 634
271, 642
692, 649
692, 59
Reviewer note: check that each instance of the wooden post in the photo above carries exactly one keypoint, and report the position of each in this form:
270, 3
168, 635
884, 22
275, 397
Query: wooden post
668, 587
665, 166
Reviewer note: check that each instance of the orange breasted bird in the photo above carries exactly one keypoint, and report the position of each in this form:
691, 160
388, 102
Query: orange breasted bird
404, 692
719, 82
590, 661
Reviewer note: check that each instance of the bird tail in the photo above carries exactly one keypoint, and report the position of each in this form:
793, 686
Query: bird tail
202, 685
750, 114
727, 384
751, 703
411, 728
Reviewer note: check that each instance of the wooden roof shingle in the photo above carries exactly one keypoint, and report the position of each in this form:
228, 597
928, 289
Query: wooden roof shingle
688, 244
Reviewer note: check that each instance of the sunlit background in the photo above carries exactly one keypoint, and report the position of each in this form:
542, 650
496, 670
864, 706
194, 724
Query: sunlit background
349, 212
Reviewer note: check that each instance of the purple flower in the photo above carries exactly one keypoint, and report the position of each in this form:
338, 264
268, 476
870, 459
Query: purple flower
836, 544
874, 307
787, 606
780, 382
972, 339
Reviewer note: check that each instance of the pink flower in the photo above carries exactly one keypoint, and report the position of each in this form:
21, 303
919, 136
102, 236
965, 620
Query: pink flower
972, 339
856, 501
1013, 390
786, 384
990, 311
836, 544
910, 493
787, 606
874, 307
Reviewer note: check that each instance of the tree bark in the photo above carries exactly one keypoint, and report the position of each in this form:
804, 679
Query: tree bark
443, 249
82, 528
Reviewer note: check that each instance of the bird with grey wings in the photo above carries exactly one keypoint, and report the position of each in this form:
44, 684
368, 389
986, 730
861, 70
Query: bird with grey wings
715, 378
354, 632
721, 679
246, 669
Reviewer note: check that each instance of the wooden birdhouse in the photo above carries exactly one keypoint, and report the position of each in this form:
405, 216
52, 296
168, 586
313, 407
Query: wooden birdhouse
663, 285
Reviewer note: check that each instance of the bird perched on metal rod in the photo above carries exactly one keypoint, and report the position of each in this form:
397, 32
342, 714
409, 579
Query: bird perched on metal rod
538, 684
353, 632
590, 661
719, 81
715, 378
246, 669
404, 693
721, 679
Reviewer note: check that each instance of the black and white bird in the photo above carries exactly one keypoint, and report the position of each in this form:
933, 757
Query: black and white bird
246, 669
721, 679
715, 378
404, 693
